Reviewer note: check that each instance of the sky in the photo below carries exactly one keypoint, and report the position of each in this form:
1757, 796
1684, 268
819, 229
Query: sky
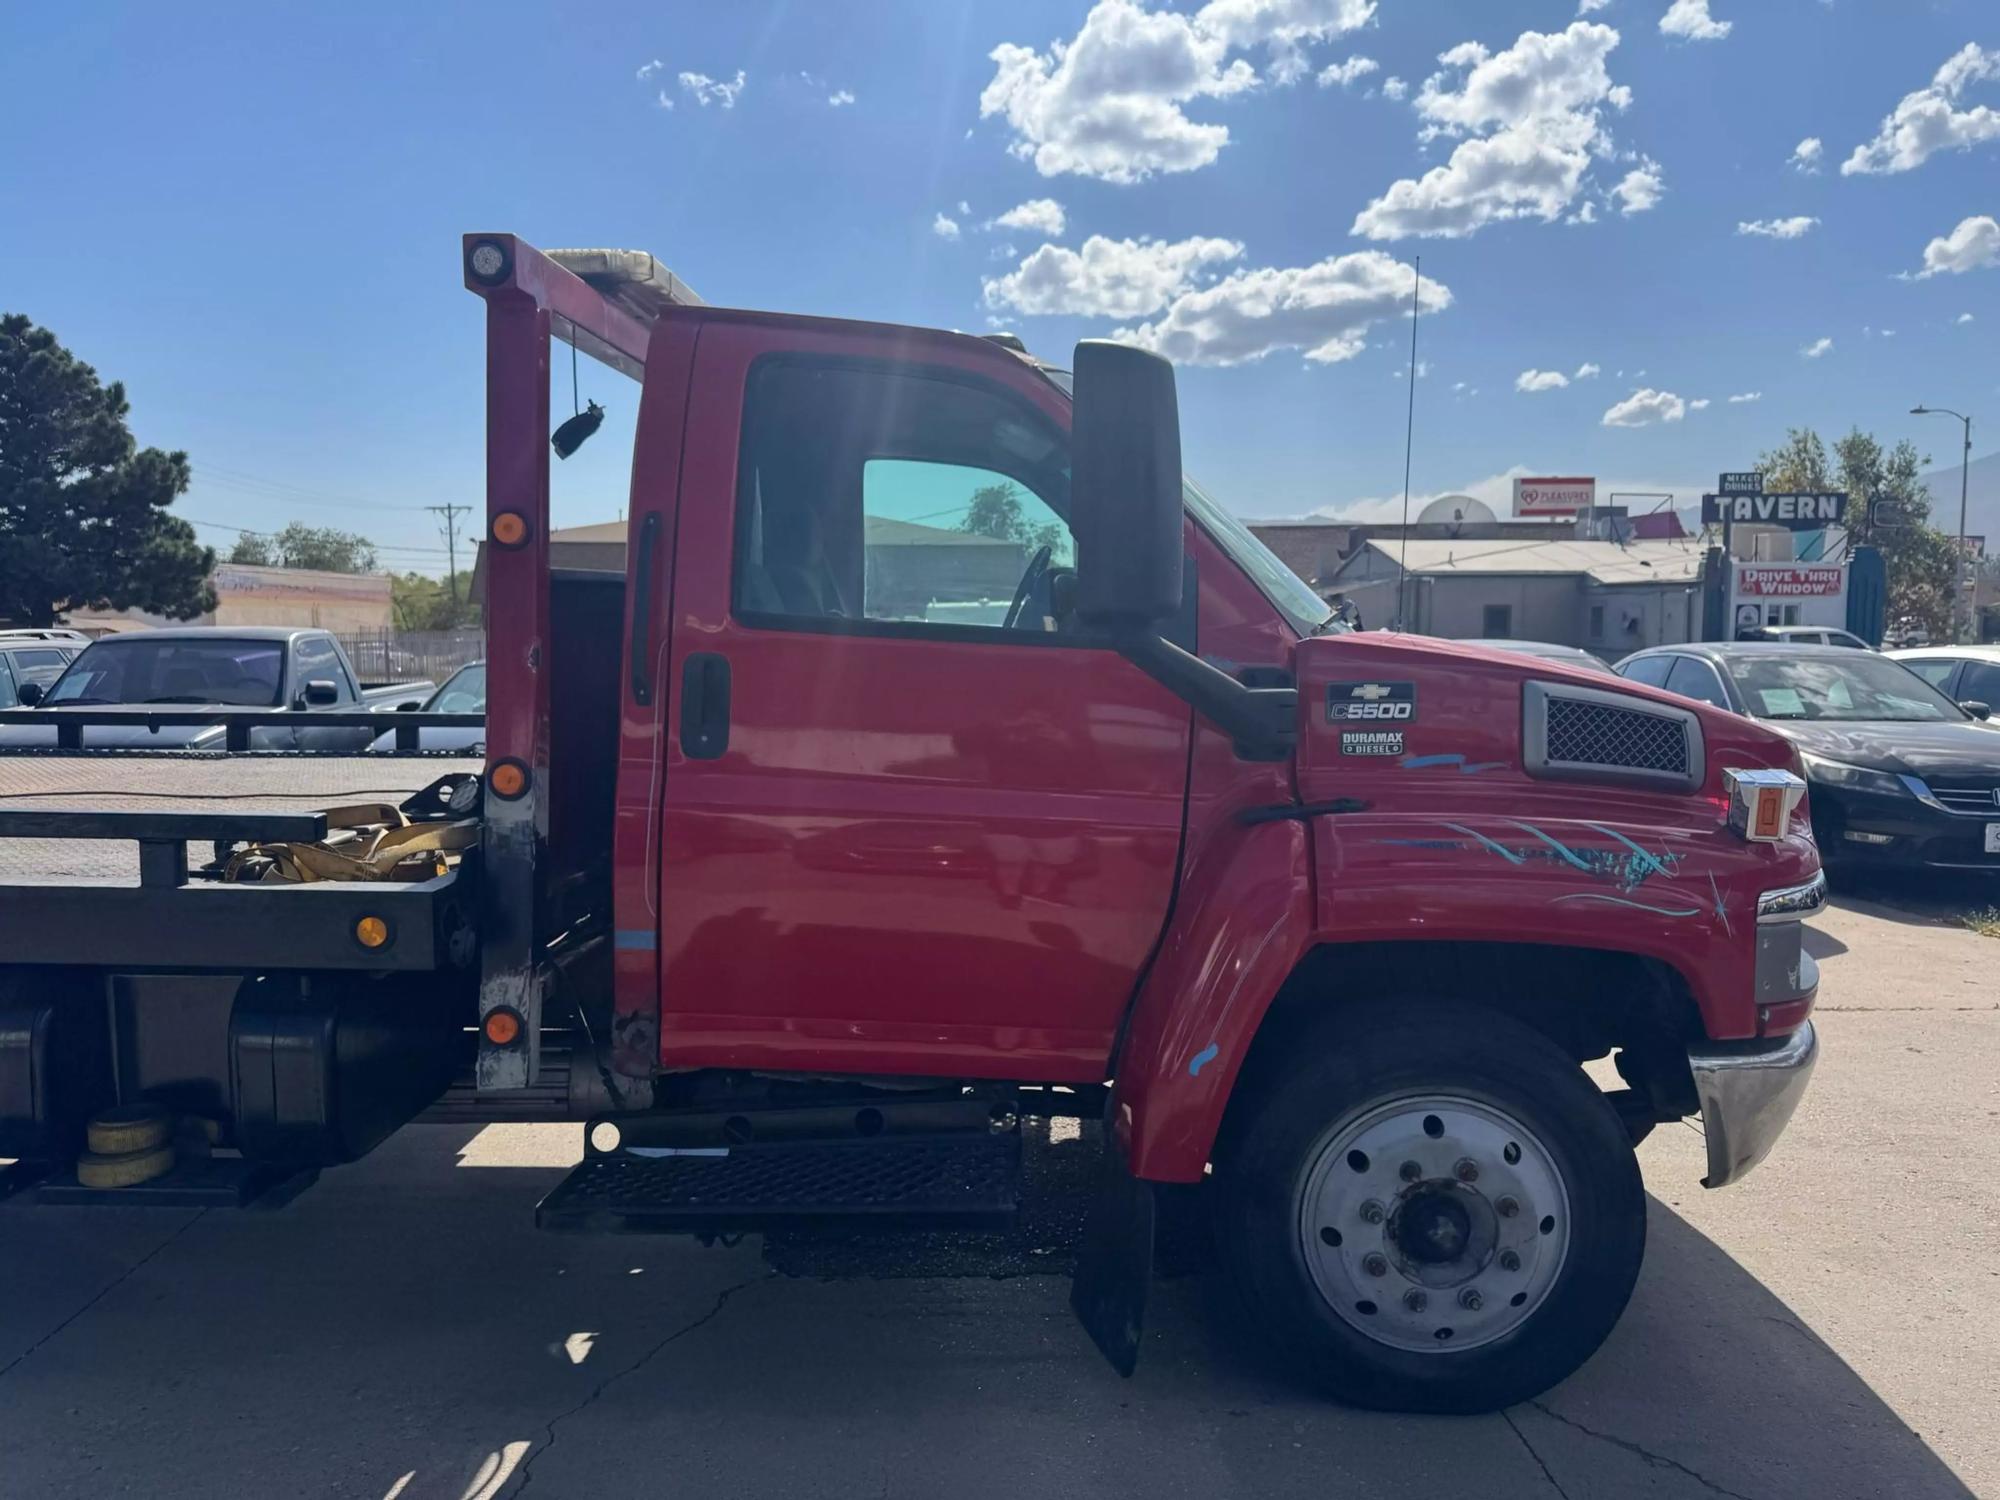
1654, 234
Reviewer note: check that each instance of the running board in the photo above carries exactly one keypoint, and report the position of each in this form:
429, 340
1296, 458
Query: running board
959, 1181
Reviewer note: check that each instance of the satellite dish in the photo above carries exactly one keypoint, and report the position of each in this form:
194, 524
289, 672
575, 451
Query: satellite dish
1456, 512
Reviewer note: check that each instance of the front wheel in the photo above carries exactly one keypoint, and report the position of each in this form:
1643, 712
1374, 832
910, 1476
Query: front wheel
1433, 1210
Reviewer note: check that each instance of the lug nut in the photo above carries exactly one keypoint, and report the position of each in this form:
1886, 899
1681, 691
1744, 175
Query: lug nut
1467, 1169
1509, 1261
1508, 1208
1470, 1300
1375, 1265
1372, 1212
1415, 1300
1409, 1171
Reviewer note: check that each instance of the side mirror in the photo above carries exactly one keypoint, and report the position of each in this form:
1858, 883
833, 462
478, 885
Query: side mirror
409, 708
1125, 486
1972, 706
320, 691
30, 693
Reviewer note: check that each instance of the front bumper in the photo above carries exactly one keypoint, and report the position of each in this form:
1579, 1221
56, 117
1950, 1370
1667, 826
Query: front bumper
1902, 832
1748, 1091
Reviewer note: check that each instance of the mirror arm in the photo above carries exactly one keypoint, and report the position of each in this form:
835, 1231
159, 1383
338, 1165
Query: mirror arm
1262, 721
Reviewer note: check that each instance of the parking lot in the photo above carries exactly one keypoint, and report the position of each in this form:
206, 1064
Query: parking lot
1829, 1328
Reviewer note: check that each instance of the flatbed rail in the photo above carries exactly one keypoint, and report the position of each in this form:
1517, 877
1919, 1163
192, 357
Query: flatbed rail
237, 725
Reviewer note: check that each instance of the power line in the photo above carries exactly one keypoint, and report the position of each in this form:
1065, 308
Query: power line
450, 514
240, 479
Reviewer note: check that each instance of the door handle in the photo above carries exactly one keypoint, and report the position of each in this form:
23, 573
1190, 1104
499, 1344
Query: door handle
704, 705
642, 612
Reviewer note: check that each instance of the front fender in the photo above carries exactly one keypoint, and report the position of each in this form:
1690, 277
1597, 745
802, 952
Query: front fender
1243, 920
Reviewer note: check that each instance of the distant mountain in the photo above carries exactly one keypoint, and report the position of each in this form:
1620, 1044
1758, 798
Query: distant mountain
1982, 500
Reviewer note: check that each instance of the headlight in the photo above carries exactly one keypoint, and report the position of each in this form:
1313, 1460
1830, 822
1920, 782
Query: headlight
1837, 773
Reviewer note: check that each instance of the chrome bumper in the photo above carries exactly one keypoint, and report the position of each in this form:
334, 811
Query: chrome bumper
1748, 1091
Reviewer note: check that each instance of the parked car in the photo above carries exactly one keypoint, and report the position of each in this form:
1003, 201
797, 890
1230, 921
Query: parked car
464, 692
1805, 635
209, 666
1571, 656
1962, 673
1899, 773
34, 656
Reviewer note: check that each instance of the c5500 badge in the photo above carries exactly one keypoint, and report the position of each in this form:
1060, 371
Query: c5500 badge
1371, 702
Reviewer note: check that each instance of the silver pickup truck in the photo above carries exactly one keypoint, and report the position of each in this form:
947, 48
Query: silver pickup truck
293, 673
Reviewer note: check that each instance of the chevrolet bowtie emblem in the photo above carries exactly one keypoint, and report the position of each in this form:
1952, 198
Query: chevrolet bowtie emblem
1372, 691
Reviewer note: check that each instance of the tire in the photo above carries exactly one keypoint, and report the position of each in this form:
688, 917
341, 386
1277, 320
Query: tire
1555, 1207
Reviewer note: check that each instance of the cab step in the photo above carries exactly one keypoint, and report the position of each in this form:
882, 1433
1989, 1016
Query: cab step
959, 1180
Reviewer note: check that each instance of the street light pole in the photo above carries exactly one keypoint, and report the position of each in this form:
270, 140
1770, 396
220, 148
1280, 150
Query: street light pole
1961, 574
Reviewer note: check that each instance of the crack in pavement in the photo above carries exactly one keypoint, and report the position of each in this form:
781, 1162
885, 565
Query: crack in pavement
1653, 1460
116, 1282
1540, 1462
549, 1428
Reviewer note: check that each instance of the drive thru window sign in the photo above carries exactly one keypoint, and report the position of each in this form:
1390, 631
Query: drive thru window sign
1790, 581
1795, 512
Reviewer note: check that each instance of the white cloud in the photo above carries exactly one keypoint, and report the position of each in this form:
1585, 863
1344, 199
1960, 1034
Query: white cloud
1645, 407
1807, 153
1963, 318
1540, 380
665, 101
1533, 112
944, 227
1700, 403
1394, 88
647, 70
707, 91
1588, 371
1586, 7
1343, 73
1111, 101
1690, 19
1816, 348
1927, 120
1777, 229
840, 97
1746, 398
1639, 189
1324, 310
1973, 246
1107, 278
1036, 216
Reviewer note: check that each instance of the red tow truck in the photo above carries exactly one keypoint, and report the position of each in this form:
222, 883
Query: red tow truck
944, 757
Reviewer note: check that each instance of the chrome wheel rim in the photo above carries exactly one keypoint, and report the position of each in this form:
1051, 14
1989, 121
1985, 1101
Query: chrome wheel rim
1434, 1223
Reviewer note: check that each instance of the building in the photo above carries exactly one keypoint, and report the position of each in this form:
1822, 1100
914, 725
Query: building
1602, 596
1315, 549
246, 595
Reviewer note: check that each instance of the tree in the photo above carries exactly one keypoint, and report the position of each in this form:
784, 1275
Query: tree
83, 509
995, 510
253, 549
423, 603
1921, 562
326, 548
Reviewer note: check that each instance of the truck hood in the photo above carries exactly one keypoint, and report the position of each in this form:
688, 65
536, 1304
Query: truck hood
116, 736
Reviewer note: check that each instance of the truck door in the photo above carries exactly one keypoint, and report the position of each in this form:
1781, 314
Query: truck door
911, 819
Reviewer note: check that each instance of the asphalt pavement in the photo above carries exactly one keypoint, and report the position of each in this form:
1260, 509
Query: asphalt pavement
1830, 1328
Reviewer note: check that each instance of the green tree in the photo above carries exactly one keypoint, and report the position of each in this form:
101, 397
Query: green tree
83, 509
424, 603
253, 548
1921, 561
995, 510
323, 547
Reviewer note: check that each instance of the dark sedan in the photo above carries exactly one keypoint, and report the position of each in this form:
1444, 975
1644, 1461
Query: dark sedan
1900, 774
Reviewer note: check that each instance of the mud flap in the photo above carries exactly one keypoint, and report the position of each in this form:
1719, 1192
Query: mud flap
1114, 1271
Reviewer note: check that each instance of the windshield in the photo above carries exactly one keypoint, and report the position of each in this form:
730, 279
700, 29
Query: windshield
465, 693
1816, 687
240, 673
1289, 594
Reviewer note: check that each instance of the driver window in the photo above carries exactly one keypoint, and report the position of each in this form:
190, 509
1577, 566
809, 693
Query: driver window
951, 545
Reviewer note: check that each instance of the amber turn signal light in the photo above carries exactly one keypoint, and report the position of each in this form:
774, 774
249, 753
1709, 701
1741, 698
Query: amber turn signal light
509, 528
503, 1027
507, 780
371, 932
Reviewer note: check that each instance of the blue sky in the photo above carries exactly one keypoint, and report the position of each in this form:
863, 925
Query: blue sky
252, 218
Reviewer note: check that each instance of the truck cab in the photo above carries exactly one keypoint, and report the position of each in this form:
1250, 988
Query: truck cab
959, 759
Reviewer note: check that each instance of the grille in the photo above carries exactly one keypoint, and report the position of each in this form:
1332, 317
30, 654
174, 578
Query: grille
1584, 733
1965, 797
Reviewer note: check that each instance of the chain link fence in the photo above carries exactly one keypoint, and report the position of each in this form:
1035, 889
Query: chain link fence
410, 655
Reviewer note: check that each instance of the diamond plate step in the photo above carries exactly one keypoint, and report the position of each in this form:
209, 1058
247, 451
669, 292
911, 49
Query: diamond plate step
936, 1181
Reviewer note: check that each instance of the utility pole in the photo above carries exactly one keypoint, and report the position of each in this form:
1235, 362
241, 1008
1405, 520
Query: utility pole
450, 514
1961, 574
